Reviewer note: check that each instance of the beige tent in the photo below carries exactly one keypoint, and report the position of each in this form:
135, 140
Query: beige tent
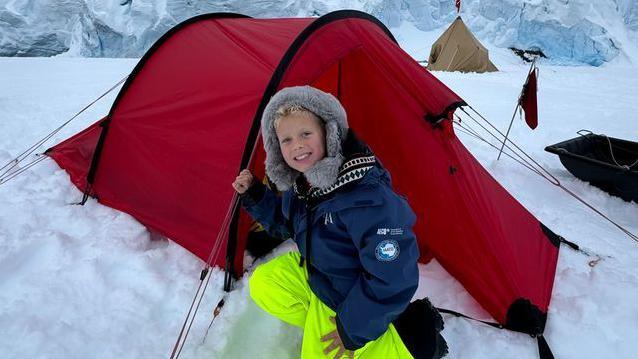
458, 50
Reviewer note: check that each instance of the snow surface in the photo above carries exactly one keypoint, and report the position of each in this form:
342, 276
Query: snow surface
89, 282
567, 31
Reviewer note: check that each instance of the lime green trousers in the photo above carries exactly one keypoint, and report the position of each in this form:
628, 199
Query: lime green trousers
280, 287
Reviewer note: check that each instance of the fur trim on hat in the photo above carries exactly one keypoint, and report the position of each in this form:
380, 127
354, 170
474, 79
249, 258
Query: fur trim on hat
330, 112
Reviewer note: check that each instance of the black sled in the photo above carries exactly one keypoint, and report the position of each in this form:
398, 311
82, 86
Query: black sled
608, 163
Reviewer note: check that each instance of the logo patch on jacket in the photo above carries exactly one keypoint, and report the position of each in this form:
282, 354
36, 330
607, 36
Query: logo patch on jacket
387, 250
390, 231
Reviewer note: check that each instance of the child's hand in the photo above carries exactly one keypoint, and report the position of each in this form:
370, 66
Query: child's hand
243, 181
333, 337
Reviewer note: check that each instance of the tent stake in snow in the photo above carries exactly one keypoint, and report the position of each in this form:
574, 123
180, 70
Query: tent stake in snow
216, 312
526, 101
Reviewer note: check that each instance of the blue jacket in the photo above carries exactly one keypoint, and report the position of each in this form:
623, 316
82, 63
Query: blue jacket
363, 263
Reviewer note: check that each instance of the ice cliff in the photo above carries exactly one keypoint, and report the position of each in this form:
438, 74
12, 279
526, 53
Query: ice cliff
567, 31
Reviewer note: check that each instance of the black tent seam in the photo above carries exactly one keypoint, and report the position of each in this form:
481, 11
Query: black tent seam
94, 161
339, 79
231, 248
551, 236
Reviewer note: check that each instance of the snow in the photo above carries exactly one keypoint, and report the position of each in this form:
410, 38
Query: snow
89, 281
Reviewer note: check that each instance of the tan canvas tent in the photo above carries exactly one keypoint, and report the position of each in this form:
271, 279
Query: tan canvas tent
458, 50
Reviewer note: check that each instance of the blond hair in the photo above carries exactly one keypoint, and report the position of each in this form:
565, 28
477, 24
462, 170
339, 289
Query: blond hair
287, 110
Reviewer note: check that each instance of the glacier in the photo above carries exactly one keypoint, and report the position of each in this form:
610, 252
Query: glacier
590, 32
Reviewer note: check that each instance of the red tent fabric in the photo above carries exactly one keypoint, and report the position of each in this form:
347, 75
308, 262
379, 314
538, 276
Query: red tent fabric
187, 120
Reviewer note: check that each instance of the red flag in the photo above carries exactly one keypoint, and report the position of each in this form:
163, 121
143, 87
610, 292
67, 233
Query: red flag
458, 5
527, 100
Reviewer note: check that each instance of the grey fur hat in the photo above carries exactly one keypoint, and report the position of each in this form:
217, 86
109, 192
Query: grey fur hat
329, 110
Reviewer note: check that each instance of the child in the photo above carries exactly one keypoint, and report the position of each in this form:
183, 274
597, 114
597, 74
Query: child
356, 269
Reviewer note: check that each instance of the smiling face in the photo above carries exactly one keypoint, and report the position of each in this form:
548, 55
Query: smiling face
302, 139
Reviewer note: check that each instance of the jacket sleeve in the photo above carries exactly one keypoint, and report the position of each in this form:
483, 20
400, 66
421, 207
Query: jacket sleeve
388, 253
265, 207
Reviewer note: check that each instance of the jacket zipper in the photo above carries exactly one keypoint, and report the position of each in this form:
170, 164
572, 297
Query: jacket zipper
306, 256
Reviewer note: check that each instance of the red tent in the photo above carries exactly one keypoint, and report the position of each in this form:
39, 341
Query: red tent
187, 120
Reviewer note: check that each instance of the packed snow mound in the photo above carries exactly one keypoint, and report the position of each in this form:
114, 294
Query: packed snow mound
567, 31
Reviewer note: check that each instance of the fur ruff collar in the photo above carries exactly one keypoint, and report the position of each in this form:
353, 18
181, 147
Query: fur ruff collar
352, 170
325, 172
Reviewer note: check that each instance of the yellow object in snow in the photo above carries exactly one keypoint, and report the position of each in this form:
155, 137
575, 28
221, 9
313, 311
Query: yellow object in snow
280, 287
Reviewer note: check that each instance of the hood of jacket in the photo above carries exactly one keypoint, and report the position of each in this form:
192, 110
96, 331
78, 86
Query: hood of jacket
324, 172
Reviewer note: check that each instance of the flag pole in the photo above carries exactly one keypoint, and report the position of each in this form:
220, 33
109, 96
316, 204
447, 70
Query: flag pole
508, 132
518, 105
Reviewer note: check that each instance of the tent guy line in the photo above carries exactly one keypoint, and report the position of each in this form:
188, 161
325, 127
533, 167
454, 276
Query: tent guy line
12, 174
205, 279
9, 173
467, 129
540, 169
546, 175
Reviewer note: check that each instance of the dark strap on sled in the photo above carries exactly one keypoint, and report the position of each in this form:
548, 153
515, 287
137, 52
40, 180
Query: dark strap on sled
544, 351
